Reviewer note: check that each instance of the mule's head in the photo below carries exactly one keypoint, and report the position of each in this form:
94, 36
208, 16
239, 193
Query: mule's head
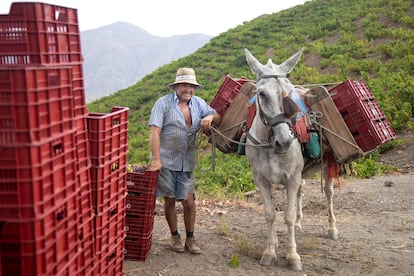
272, 88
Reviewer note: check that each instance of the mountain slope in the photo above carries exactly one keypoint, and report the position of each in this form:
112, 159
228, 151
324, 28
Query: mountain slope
373, 40
118, 55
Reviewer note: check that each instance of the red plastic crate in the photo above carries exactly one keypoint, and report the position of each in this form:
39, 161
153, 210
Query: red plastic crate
110, 226
372, 109
38, 33
87, 257
35, 104
362, 115
81, 125
142, 181
84, 182
112, 167
29, 229
111, 260
36, 154
31, 199
34, 178
137, 249
140, 203
108, 134
372, 134
86, 232
226, 94
101, 122
351, 89
82, 145
29, 84
367, 106
108, 182
109, 156
140, 226
47, 245
108, 191
86, 212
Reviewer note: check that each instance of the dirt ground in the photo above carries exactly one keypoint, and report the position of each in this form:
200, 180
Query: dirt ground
375, 219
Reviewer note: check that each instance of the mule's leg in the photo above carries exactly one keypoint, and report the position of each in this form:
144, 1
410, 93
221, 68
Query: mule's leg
269, 254
329, 192
292, 189
299, 213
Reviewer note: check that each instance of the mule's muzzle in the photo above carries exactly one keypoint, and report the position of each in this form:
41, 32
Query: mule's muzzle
281, 138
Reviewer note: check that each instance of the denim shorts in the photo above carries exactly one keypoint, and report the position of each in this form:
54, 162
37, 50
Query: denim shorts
174, 184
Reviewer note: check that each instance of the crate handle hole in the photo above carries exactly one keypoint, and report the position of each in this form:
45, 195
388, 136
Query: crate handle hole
114, 166
116, 121
60, 215
111, 257
58, 148
113, 212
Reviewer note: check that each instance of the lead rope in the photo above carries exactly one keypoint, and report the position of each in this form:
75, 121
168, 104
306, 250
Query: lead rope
213, 152
215, 132
321, 146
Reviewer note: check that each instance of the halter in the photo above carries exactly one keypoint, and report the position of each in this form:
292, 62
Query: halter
278, 119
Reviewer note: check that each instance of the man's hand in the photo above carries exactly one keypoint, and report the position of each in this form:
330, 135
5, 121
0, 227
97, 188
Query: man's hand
155, 165
205, 123
209, 120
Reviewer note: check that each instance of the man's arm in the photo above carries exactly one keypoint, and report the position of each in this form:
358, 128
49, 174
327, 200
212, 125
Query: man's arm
210, 120
155, 148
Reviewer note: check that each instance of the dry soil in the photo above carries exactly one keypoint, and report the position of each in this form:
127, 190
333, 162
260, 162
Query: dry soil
375, 219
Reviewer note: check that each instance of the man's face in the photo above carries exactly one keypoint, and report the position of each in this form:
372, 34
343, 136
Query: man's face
184, 91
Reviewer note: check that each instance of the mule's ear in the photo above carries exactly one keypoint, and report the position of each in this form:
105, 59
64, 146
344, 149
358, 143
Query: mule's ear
253, 63
291, 62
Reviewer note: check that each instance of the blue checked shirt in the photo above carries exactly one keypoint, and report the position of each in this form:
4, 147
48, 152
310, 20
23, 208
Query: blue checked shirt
177, 143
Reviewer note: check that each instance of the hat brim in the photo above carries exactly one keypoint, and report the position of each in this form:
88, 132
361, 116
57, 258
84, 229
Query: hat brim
196, 84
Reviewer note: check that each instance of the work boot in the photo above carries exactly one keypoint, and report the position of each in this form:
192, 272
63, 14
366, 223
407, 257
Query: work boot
192, 246
176, 244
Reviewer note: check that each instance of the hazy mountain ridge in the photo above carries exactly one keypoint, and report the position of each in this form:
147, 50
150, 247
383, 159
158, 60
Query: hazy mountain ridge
118, 55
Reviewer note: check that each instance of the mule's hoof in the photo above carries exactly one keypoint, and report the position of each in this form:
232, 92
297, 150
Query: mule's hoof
333, 234
295, 265
294, 262
268, 259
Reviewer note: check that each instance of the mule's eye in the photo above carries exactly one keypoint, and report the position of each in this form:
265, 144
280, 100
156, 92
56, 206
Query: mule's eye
261, 94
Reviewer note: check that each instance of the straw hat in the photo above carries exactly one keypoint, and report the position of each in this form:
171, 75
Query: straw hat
185, 75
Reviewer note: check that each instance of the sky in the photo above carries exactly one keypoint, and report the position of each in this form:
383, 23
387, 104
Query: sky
166, 17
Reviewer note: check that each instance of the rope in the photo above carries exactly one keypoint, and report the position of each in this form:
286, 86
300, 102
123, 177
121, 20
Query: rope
313, 117
215, 130
319, 84
340, 137
200, 137
213, 142
314, 120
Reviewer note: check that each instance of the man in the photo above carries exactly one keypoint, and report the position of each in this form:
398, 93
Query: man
174, 122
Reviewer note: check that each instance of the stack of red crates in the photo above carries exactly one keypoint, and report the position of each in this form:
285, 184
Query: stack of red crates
46, 213
140, 210
362, 115
108, 141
